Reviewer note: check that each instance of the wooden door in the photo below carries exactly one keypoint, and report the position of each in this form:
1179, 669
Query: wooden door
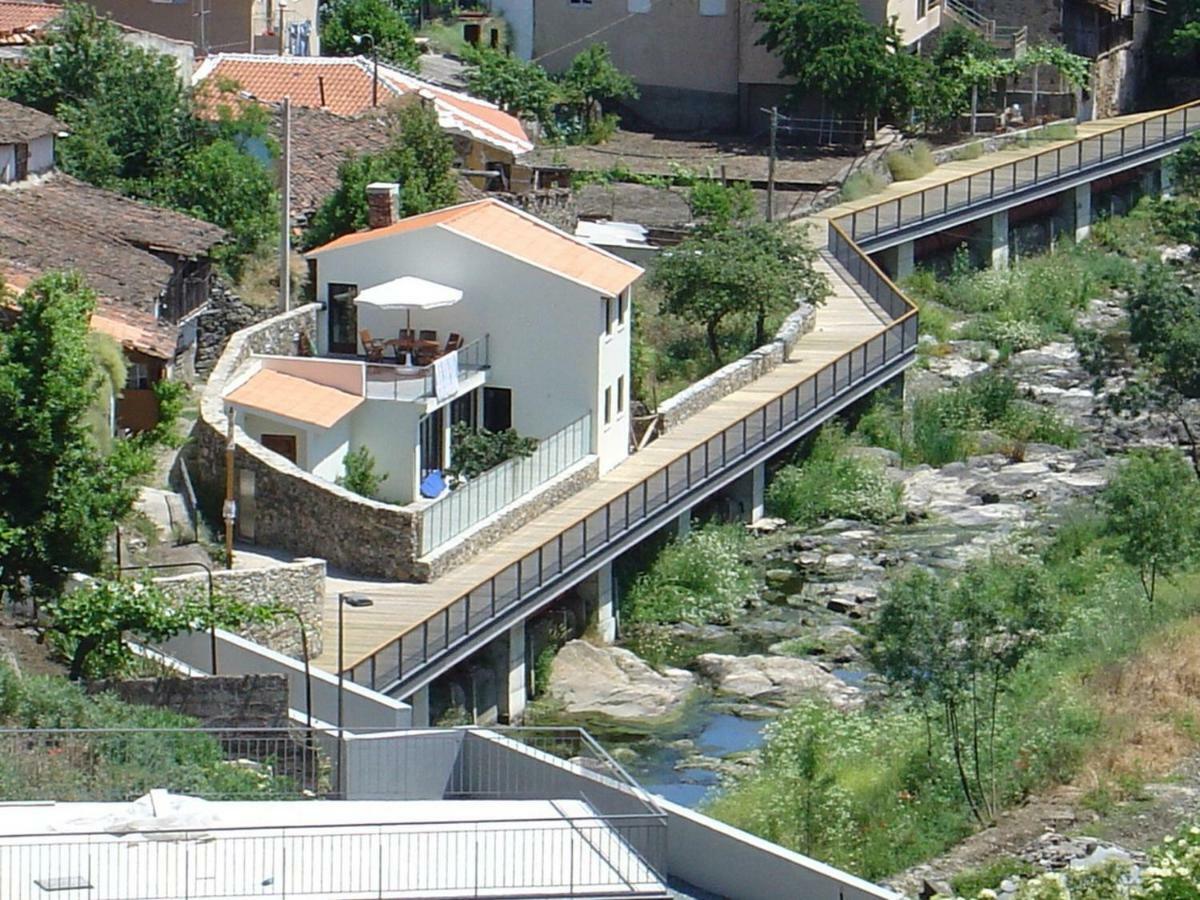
283, 444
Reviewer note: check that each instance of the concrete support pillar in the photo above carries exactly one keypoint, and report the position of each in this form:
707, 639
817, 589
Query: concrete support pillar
1083, 211
683, 525
1166, 178
998, 254
513, 681
905, 261
599, 593
420, 708
747, 494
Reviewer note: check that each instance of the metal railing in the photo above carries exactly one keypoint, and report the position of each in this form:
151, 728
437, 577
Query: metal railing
567, 854
473, 501
393, 381
390, 664
1011, 38
111, 764
1005, 179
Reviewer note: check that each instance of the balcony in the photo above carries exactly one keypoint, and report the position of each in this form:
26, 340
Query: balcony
446, 376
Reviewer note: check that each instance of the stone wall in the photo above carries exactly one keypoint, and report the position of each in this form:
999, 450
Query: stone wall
298, 585
226, 314
222, 701
510, 519
554, 205
295, 510
738, 373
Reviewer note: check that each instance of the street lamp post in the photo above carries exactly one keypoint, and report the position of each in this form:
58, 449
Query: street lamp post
375, 60
212, 609
308, 711
356, 600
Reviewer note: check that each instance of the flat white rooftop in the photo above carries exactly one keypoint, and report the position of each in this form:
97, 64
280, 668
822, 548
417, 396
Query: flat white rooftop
167, 846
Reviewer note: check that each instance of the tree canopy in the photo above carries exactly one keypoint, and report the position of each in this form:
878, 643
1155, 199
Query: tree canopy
419, 157
133, 128
59, 494
342, 20
522, 88
752, 269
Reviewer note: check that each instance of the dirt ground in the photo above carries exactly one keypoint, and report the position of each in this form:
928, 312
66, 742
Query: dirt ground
743, 159
19, 648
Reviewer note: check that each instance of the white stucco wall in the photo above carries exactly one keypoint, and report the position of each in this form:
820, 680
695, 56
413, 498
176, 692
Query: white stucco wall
7, 163
518, 14
389, 430
41, 158
321, 451
546, 333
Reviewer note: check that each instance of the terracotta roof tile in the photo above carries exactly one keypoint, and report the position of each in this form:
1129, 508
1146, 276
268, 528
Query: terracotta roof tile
294, 398
518, 234
17, 17
22, 123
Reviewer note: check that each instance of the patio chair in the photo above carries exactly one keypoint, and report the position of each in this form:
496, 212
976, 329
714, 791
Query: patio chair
428, 335
454, 342
373, 347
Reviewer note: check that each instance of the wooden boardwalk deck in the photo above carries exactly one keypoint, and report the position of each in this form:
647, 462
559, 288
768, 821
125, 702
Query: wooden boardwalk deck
842, 323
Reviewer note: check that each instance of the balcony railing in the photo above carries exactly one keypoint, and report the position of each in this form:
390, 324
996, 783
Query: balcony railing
392, 381
472, 502
1004, 179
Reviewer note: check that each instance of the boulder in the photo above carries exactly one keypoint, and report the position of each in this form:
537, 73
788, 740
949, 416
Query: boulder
615, 683
778, 680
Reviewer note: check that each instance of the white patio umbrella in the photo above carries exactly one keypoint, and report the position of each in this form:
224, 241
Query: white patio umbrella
409, 293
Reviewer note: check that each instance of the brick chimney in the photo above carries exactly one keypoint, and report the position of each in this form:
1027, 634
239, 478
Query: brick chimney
383, 204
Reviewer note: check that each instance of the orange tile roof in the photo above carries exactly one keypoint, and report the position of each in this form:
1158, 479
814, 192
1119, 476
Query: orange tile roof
518, 234
17, 17
294, 398
348, 84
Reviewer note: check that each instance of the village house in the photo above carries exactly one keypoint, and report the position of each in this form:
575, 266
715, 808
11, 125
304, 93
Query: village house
150, 267
479, 314
487, 140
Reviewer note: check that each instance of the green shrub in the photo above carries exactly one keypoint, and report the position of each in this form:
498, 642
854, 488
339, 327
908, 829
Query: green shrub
989, 876
833, 483
973, 150
701, 578
859, 185
882, 425
474, 451
358, 473
910, 163
936, 322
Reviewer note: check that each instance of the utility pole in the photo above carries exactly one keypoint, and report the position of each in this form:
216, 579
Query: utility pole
771, 165
203, 32
282, 10
285, 198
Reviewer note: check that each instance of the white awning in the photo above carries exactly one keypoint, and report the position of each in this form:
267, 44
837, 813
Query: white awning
409, 292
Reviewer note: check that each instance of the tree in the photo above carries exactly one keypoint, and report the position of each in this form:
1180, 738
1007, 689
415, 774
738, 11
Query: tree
591, 81
419, 157
516, 86
341, 20
125, 108
758, 270
718, 205
953, 645
59, 496
92, 625
1153, 509
830, 49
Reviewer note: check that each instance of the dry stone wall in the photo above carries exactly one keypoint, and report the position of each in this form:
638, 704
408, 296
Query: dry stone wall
740, 372
298, 585
221, 701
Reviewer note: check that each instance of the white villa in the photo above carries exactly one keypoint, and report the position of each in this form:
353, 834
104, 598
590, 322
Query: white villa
478, 313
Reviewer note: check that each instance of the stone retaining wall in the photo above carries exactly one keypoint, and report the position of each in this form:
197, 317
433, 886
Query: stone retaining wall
554, 205
225, 315
738, 373
299, 585
221, 701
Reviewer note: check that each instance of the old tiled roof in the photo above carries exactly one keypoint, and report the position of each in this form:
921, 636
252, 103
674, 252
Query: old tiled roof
20, 18
294, 398
322, 141
20, 124
518, 234
344, 86
59, 223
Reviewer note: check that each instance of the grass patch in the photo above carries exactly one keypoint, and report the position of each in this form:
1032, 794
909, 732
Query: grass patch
833, 483
859, 185
988, 877
912, 162
973, 150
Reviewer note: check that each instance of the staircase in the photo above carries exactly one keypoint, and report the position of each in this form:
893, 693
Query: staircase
1010, 40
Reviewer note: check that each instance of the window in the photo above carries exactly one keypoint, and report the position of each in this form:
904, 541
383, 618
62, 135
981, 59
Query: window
432, 442
581, 2
464, 410
343, 318
608, 315
622, 305
922, 8
608, 406
620, 395
638, 6
138, 377
497, 409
